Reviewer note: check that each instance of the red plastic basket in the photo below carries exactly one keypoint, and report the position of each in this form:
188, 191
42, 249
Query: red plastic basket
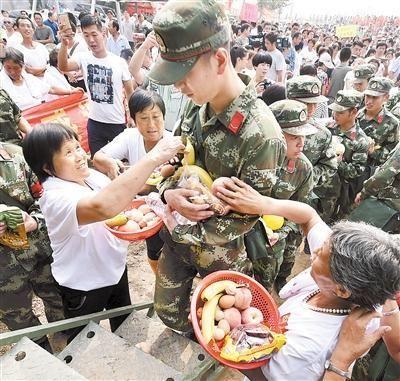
140, 235
261, 300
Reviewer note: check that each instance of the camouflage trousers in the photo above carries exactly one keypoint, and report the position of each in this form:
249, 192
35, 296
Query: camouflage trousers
266, 268
177, 267
17, 287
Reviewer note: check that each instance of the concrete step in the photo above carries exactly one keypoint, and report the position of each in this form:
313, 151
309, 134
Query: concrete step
28, 361
99, 354
153, 337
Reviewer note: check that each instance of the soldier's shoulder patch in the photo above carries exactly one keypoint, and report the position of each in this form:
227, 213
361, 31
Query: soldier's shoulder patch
236, 122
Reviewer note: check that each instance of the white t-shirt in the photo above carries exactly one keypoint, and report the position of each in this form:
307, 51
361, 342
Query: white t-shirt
86, 257
278, 63
104, 82
311, 336
36, 57
14, 40
31, 93
129, 144
395, 67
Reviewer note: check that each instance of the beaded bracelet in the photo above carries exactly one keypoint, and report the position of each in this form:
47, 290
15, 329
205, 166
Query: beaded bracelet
391, 312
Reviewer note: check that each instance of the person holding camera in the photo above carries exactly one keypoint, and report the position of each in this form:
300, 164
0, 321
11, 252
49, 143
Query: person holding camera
278, 68
262, 62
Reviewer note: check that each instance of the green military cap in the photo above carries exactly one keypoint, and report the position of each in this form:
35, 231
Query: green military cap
365, 71
305, 88
378, 86
292, 117
184, 31
346, 99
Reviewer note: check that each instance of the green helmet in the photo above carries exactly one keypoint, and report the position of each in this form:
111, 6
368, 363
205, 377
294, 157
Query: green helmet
345, 100
365, 71
184, 31
305, 88
292, 117
378, 86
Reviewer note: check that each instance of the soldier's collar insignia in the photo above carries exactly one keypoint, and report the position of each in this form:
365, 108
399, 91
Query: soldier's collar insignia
236, 122
161, 44
315, 89
303, 116
291, 166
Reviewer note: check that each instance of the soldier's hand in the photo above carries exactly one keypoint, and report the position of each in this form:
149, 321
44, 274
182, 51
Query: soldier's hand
240, 196
178, 199
3, 228
358, 200
29, 222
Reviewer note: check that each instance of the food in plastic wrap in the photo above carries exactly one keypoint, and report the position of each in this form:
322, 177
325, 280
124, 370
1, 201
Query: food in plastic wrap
251, 342
205, 196
15, 236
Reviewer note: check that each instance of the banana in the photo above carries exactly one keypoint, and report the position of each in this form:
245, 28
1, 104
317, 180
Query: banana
215, 288
195, 170
207, 318
118, 220
189, 156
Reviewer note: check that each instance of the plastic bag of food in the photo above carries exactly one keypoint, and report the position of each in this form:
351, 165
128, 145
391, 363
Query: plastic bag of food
15, 236
251, 342
189, 180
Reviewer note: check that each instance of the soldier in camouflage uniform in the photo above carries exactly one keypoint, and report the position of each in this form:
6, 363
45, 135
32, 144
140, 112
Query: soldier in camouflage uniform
233, 133
318, 148
393, 103
24, 272
295, 182
385, 184
11, 121
362, 75
353, 161
378, 123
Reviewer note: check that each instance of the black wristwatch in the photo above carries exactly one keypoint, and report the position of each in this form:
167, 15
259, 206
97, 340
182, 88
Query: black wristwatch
332, 368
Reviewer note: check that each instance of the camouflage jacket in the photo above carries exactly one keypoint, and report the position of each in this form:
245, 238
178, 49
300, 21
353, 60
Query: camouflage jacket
318, 148
385, 183
243, 141
19, 182
295, 182
10, 115
385, 131
355, 156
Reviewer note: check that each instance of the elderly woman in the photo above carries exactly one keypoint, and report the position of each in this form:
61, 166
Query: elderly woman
25, 89
353, 264
89, 262
147, 110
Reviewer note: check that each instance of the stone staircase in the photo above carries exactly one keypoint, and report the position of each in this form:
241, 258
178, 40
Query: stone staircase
142, 349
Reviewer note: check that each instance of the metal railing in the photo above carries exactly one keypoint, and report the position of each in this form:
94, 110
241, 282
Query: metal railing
61, 325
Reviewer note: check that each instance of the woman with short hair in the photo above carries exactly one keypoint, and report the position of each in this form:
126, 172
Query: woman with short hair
147, 110
352, 264
25, 89
89, 262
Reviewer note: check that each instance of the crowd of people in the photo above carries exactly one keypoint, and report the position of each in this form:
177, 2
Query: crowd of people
300, 122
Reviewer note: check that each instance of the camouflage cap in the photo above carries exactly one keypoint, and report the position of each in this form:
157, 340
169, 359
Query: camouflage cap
292, 117
305, 88
378, 86
184, 31
345, 100
362, 72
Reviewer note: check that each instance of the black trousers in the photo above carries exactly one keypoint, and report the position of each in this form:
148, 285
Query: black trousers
78, 302
99, 134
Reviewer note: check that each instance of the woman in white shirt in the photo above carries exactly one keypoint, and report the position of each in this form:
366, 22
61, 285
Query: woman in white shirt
353, 264
25, 89
89, 262
147, 110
